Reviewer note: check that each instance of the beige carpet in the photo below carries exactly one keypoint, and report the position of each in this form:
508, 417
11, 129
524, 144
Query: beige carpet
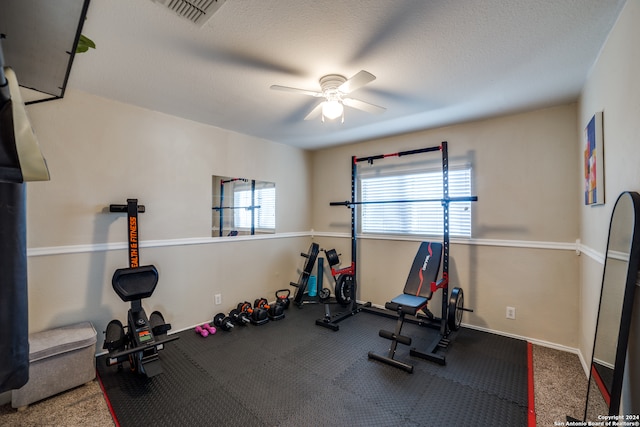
560, 385
559, 382
81, 406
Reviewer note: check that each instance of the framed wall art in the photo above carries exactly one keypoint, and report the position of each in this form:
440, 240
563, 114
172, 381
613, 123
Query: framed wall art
594, 161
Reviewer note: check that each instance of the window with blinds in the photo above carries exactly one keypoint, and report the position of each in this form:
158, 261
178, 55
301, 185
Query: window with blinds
416, 218
265, 215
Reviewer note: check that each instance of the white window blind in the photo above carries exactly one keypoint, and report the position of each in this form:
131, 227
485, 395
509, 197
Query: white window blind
420, 218
265, 216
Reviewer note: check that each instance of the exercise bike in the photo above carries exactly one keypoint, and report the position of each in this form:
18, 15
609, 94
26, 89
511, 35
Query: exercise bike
142, 338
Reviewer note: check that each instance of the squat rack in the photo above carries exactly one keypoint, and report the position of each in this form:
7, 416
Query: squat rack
446, 200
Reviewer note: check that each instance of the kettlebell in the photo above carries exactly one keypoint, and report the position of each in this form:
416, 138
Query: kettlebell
282, 298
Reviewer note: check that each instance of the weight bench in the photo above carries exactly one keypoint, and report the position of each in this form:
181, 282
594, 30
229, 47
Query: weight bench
417, 292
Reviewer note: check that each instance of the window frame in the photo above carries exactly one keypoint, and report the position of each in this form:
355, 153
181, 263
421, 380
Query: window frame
242, 217
460, 229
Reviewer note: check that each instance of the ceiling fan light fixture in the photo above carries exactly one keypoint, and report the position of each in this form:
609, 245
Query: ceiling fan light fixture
332, 109
334, 90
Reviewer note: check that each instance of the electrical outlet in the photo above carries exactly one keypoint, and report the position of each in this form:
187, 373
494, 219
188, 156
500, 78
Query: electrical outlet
511, 313
218, 299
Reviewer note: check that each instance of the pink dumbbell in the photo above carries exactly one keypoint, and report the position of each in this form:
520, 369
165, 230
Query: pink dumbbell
205, 330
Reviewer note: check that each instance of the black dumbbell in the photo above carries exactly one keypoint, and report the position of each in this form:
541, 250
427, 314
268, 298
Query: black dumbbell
275, 312
223, 322
238, 317
258, 316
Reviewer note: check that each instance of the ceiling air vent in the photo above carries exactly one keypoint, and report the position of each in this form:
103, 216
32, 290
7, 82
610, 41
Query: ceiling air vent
196, 11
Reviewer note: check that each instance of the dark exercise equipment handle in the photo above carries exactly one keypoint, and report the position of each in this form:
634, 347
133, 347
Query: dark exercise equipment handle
131, 208
123, 208
112, 359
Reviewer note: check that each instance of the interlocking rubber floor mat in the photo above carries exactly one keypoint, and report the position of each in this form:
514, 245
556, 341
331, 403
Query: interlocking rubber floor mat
294, 373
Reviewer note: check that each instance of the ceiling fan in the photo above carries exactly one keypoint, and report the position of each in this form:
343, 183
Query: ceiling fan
334, 89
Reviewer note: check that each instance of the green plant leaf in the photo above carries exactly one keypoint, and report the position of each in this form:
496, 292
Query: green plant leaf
84, 43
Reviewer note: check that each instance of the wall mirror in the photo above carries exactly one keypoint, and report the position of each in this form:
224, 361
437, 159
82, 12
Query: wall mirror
614, 314
242, 206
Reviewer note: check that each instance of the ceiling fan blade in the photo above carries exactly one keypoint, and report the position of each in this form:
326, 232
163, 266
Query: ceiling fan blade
356, 82
315, 112
296, 90
364, 106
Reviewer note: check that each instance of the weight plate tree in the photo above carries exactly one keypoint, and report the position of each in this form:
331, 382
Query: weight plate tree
452, 307
301, 285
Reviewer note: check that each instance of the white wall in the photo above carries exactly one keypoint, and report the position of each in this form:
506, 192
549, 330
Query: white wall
522, 253
613, 87
101, 152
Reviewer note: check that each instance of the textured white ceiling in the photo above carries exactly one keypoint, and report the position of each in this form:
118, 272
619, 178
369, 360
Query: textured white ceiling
437, 62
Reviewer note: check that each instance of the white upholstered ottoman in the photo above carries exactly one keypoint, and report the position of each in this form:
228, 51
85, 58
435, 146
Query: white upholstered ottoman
59, 359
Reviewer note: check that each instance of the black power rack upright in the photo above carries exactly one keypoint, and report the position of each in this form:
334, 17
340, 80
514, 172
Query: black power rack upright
441, 322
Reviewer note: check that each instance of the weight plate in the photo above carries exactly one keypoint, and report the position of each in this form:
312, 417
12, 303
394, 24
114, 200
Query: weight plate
332, 257
314, 249
302, 287
345, 288
456, 305
260, 303
218, 319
